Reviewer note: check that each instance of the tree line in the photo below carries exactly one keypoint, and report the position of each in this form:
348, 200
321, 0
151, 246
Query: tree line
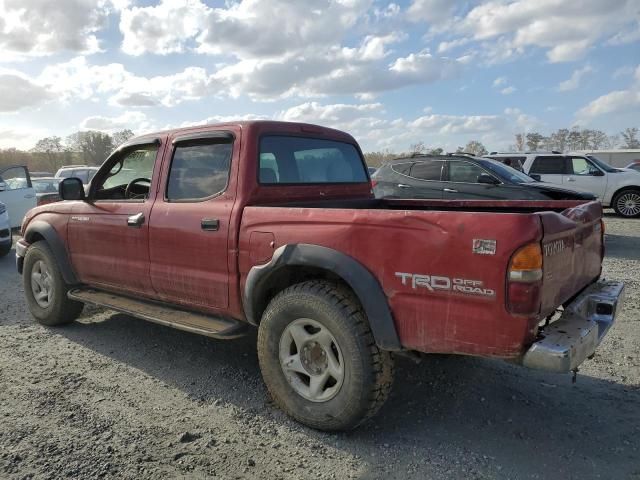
562, 140
51, 153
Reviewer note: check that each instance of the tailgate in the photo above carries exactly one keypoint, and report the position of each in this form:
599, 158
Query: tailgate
572, 253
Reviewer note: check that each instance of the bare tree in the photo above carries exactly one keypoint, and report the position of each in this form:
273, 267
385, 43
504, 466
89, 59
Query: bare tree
94, 146
417, 148
476, 148
121, 137
533, 141
520, 141
54, 152
630, 138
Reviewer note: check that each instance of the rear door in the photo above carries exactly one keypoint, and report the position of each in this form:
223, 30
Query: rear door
17, 193
423, 180
584, 175
190, 223
550, 168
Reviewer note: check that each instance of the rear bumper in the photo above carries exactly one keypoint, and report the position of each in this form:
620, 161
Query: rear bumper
21, 251
574, 337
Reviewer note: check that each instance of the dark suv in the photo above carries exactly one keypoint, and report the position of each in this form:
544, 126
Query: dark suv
463, 177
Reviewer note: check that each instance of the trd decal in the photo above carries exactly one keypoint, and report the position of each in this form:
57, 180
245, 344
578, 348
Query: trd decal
435, 283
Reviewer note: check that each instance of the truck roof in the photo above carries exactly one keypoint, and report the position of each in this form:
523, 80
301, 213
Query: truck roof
261, 125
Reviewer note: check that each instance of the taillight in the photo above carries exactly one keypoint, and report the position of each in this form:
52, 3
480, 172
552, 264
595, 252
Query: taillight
524, 280
373, 183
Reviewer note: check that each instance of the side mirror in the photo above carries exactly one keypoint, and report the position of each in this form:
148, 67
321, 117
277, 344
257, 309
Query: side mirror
536, 177
596, 173
487, 179
3, 186
71, 189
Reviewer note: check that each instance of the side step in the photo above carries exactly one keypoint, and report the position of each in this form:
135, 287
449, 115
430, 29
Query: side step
194, 322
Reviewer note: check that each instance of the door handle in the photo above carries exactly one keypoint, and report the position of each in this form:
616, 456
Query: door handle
571, 179
211, 224
136, 220
450, 190
29, 195
403, 185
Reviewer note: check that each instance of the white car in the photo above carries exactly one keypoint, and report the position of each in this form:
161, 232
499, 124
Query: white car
17, 193
618, 188
5, 231
82, 172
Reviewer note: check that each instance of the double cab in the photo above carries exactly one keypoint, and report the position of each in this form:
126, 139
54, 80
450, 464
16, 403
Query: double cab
220, 228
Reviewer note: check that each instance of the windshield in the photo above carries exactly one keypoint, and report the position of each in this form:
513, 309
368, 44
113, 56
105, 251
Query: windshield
604, 166
506, 172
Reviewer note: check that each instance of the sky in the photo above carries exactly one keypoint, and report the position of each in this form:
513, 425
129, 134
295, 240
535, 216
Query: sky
390, 73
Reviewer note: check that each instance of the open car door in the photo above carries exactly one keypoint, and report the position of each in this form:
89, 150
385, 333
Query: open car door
17, 193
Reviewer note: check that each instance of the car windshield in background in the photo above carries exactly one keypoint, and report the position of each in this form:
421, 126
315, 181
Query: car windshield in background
291, 160
506, 172
604, 166
46, 185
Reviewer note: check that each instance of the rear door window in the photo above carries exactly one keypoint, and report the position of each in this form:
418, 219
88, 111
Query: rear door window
429, 170
549, 166
199, 171
301, 160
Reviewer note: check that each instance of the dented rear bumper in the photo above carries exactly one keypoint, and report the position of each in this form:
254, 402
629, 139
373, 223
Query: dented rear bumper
574, 337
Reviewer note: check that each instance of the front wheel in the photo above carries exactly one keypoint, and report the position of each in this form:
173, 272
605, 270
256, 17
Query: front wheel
319, 359
627, 203
45, 288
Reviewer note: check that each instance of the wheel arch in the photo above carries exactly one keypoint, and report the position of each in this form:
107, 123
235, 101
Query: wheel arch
295, 263
43, 231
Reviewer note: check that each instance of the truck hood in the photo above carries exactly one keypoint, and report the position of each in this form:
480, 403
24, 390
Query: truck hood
561, 192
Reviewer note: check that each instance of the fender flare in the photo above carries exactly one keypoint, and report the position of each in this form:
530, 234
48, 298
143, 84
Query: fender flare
56, 245
360, 280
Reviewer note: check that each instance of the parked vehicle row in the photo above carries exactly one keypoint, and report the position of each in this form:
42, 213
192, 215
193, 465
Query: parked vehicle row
5, 231
217, 228
618, 188
463, 177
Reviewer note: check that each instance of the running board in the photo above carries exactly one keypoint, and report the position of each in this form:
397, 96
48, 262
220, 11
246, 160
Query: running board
169, 316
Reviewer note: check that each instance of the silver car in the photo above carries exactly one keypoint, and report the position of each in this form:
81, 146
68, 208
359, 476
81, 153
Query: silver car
5, 231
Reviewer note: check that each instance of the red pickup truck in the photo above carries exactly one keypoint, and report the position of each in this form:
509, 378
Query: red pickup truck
212, 229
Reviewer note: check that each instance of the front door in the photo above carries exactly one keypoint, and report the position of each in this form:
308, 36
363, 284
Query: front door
462, 183
17, 193
189, 225
109, 233
584, 175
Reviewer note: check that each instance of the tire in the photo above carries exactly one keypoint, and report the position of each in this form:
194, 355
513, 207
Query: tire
55, 308
303, 321
627, 203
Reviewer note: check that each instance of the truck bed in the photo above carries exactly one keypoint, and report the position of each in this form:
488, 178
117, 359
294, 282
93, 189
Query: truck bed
397, 239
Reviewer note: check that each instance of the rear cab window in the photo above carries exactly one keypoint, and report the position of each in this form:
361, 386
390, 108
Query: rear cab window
306, 160
549, 165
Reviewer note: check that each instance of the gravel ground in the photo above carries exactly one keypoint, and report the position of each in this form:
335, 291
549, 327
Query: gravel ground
114, 397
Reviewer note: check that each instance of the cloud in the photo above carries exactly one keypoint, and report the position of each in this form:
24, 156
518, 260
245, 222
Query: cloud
508, 90
432, 11
565, 29
573, 82
17, 91
40, 27
499, 81
617, 101
128, 120
246, 29
77, 79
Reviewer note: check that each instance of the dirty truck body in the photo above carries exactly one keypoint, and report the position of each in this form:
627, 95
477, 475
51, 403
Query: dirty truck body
275, 225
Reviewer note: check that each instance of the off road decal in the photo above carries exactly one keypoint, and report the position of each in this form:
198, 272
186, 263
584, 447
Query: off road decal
435, 283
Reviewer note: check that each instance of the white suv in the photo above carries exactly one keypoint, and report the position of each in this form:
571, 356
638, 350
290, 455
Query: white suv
82, 172
618, 188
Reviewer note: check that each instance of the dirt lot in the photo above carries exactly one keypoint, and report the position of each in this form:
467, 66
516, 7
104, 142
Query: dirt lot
115, 397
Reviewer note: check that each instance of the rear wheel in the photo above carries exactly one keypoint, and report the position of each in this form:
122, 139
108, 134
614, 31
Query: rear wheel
319, 359
627, 203
45, 289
